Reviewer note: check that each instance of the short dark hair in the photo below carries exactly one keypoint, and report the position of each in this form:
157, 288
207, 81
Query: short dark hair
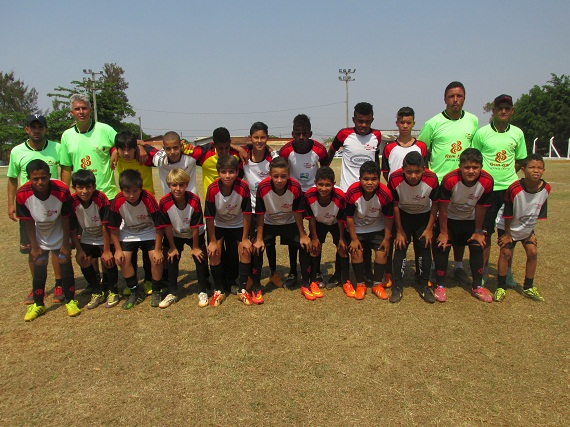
83, 177
370, 167
454, 85
227, 161
37, 165
363, 108
171, 136
471, 155
221, 135
279, 162
405, 112
413, 158
125, 140
130, 178
258, 126
324, 172
532, 156
302, 120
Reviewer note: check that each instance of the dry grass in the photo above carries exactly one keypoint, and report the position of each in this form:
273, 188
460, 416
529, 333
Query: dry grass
332, 362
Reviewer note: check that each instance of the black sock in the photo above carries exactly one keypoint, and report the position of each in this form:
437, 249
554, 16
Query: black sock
358, 272
378, 272
39, 283
68, 281
528, 283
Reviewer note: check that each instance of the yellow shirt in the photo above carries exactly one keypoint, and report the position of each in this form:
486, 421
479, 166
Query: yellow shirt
146, 172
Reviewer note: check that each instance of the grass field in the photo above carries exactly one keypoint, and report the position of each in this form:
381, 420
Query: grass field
332, 362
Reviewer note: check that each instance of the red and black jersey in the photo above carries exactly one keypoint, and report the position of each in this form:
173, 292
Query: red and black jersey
461, 198
368, 214
413, 199
278, 209
303, 167
393, 154
228, 211
329, 214
183, 220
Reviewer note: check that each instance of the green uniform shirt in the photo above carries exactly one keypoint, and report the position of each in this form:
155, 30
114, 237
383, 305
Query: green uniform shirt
500, 151
446, 138
90, 150
23, 154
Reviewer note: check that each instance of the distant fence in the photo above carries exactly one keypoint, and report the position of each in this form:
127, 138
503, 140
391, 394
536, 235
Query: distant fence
553, 150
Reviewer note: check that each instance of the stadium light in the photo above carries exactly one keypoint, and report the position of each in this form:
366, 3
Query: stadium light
346, 78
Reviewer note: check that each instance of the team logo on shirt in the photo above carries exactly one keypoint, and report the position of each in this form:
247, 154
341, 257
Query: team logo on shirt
501, 156
50, 212
142, 217
286, 206
456, 147
85, 162
304, 176
95, 218
418, 197
309, 165
359, 159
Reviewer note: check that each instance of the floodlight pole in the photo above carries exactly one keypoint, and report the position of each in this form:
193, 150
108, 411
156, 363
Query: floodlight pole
90, 71
346, 78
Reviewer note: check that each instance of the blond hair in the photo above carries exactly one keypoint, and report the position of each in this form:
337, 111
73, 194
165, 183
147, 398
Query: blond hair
177, 176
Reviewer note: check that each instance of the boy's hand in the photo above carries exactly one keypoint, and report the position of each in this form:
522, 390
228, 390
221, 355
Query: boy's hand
173, 254
242, 154
385, 245
82, 259
428, 235
114, 158
198, 253
12, 212
258, 247
315, 247
442, 240
305, 242
107, 258
479, 238
213, 249
354, 246
119, 257
35, 251
65, 250
157, 257
400, 241
505, 239
141, 155
246, 246
342, 248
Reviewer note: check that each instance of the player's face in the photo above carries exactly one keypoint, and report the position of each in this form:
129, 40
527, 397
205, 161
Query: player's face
40, 180
126, 153
369, 182
259, 140
81, 112
533, 170
503, 112
470, 172
178, 190
36, 132
301, 138
279, 176
173, 150
132, 194
405, 125
324, 187
413, 174
454, 100
227, 176
84, 192
362, 123
222, 148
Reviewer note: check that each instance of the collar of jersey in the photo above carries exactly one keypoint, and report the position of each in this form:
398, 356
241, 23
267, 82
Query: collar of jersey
91, 126
449, 118
33, 149
495, 129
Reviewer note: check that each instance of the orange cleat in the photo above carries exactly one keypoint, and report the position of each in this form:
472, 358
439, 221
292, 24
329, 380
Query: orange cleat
379, 291
360, 291
316, 291
387, 280
306, 292
348, 289
257, 297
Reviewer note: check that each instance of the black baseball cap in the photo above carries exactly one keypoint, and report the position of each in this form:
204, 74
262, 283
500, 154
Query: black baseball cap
36, 118
503, 98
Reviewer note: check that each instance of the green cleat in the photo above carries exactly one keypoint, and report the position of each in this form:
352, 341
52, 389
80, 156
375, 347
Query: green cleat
96, 300
134, 299
499, 295
34, 311
147, 287
72, 308
533, 294
155, 299
112, 300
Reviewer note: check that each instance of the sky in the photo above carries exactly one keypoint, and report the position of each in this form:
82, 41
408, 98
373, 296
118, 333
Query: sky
195, 66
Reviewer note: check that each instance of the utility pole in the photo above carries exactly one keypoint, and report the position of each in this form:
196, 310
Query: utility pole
92, 81
140, 126
346, 78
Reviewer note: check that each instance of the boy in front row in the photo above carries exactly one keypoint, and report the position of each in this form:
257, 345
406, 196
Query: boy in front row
45, 206
525, 204
369, 220
463, 200
133, 218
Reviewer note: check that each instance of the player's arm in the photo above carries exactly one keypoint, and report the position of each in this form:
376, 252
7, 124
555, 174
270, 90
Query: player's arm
242, 154
400, 241
315, 248
507, 237
172, 250
303, 238
107, 255
428, 232
66, 175
12, 187
213, 249
388, 224
35, 250
119, 254
157, 255
479, 235
196, 249
66, 226
443, 234
333, 148
341, 240
245, 242
354, 245
259, 245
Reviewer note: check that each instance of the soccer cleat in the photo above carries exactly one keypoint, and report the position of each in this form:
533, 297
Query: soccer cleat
30, 298
147, 285
72, 308
387, 280
257, 297
533, 294
58, 297
440, 294
360, 291
461, 276
112, 300
133, 300
500, 294
306, 292
96, 300
33, 312
379, 291
168, 301
155, 299
202, 299
290, 281
245, 297
126, 292
333, 281
349, 289
482, 294
217, 298
511, 281
426, 294
276, 280
396, 294
316, 290
320, 280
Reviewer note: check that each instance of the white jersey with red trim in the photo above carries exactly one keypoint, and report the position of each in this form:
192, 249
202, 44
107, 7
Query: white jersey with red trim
278, 209
255, 172
369, 215
329, 214
413, 199
393, 155
461, 198
303, 167
357, 149
228, 211
187, 163
47, 213
183, 220
92, 217
525, 209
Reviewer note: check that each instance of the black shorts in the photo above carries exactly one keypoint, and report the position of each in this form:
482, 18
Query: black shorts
324, 229
525, 241
145, 245
371, 240
229, 234
289, 234
459, 231
497, 199
179, 242
93, 251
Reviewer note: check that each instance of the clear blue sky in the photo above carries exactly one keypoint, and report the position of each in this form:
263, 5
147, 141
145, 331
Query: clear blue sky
230, 64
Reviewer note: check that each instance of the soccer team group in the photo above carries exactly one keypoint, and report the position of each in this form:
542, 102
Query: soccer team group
450, 187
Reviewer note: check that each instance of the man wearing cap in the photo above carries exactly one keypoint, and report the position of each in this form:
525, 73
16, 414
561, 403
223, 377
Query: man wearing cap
503, 147
35, 147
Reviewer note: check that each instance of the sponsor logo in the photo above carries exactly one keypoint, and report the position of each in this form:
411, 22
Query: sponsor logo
85, 162
309, 165
230, 208
469, 136
501, 156
456, 147
287, 206
304, 176
50, 212
142, 217
359, 159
